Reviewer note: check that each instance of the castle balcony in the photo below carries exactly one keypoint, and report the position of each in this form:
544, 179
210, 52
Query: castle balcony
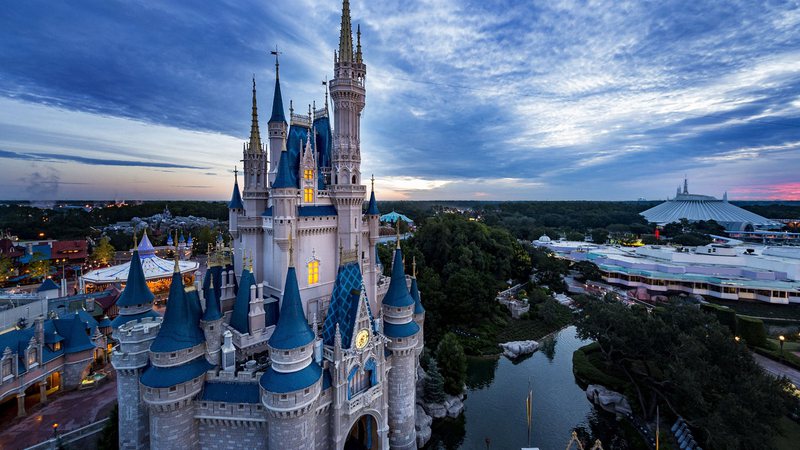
364, 399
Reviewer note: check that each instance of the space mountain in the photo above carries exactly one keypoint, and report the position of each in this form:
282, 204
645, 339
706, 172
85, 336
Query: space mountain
294, 338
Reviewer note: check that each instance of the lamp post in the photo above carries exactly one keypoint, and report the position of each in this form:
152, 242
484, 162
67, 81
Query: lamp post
737, 339
781, 339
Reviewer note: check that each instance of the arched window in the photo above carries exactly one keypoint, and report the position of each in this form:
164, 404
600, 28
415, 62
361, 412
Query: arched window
308, 195
354, 180
313, 272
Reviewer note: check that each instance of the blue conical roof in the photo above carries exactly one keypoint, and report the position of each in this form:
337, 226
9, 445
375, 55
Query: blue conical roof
77, 340
414, 292
47, 285
397, 295
136, 291
284, 177
212, 311
277, 103
241, 307
292, 330
180, 328
236, 197
372, 209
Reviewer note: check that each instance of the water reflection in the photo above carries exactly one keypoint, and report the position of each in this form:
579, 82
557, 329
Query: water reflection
495, 404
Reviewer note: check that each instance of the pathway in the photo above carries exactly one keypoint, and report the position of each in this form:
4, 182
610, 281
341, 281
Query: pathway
70, 410
778, 369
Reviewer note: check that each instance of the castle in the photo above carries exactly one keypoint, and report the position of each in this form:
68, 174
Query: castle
294, 339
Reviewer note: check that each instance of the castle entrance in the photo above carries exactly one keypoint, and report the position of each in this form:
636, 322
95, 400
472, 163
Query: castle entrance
363, 435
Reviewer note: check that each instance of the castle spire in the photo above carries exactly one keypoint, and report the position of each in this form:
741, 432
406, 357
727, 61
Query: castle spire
346, 35
372, 208
685, 185
255, 136
236, 197
358, 44
277, 99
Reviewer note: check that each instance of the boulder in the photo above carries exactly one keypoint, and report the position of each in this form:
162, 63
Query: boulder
435, 410
454, 406
609, 400
515, 349
423, 426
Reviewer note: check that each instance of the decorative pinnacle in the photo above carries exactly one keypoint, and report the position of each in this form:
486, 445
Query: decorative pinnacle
135, 243
235, 175
277, 64
346, 35
291, 250
291, 107
341, 252
397, 225
358, 45
414, 266
373, 182
250, 259
325, 83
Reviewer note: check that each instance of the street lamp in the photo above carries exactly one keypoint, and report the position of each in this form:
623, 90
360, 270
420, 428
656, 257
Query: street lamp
737, 339
781, 339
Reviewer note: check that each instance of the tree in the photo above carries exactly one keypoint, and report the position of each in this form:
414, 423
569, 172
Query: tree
39, 266
6, 265
599, 236
452, 364
434, 385
588, 270
554, 313
109, 436
103, 252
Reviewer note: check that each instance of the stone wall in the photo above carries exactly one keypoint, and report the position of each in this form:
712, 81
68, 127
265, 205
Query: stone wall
296, 432
218, 436
173, 428
134, 419
402, 407
76, 368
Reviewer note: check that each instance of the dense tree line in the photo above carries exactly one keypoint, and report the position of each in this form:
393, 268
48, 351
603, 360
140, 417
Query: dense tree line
688, 363
31, 223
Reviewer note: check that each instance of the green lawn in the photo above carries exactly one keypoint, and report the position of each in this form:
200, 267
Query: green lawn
760, 309
773, 351
788, 435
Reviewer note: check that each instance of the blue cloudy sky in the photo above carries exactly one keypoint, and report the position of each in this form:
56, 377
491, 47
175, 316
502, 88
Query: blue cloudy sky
469, 99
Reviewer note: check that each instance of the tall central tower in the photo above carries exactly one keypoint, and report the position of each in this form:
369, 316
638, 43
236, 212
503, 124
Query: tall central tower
348, 94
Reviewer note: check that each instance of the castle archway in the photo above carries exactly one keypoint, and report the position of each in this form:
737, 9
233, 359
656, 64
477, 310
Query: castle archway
363, 435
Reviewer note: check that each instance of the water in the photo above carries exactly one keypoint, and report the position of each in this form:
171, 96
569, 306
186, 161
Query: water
495, 404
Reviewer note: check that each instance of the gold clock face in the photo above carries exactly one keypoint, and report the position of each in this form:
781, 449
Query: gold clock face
362, 338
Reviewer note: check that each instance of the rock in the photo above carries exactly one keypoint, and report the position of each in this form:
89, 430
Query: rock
515, 349
423, 426
454, 406
435, 410
609, 400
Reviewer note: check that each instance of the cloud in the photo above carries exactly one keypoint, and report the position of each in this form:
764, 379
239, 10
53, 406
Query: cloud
90, 161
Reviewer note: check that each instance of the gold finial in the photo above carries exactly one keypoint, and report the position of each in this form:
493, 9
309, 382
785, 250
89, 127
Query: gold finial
175, 250
397, 225
291, 250
135, 243
250, 259
291, 107
414, 266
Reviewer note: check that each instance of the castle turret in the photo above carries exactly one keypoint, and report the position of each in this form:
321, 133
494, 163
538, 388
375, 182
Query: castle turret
292, 384
277, 125
235, 207
255, 158
373, 272
348, 93
134, 328
212, 320
284, 210
177, 369
240, 318
400, 328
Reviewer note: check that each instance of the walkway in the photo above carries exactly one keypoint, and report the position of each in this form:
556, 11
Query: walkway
778, 369
70, 410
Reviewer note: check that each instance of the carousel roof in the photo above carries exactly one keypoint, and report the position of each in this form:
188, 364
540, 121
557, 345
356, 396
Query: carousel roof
152, 266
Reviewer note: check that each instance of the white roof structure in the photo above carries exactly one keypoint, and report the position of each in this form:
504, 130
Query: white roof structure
694, 207
153, 267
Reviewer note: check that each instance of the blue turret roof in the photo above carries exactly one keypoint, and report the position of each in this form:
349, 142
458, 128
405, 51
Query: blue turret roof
169, 240
47, 285
241, 307
414, 292
74, 330
277, 103
285, 177
292, 330
280, 383
236, 197
212, 311
182, 239
180, 328
372, 209
162, 377
397, 295
136, 291
400, 330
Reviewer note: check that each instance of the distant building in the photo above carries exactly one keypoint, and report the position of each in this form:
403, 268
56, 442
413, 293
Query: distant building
695, 207
723, 271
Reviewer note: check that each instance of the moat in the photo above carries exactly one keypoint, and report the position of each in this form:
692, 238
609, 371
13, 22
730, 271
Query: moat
495, 404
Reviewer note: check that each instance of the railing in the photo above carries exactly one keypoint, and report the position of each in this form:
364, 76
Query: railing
73, 436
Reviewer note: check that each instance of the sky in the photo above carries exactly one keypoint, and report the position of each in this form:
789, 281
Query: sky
468, 99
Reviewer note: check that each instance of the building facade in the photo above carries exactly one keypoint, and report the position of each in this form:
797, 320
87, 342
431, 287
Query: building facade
294, 339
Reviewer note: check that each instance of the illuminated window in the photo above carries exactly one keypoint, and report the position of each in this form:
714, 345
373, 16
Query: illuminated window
309, 195
308, 174
313, 272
